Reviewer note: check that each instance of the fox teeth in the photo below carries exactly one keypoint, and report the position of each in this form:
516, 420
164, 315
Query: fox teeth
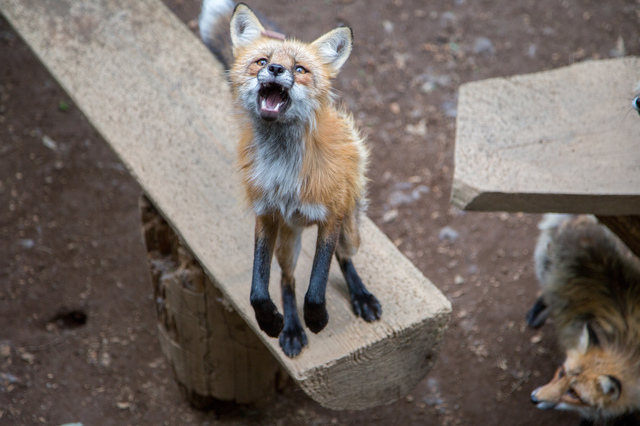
263, 105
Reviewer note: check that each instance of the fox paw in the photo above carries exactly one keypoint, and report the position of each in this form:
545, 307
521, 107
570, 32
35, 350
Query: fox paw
292, 340
315, 316
268, 317
538, 314
366, 306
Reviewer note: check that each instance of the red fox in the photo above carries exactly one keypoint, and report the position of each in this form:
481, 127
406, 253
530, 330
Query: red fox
302, 162
591, 288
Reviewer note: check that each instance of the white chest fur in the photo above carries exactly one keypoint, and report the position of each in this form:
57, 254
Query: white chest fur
276, 171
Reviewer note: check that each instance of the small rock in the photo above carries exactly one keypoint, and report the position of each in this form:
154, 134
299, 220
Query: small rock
448, 19
448, 234
416, 194
390, 215
49, 143
536, 339
419, 129
532, 50
618, 51
483, 46
398, 197
26, 243
450, 108
458, 279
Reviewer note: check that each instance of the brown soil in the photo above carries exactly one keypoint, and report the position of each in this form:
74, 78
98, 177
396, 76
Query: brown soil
71, 243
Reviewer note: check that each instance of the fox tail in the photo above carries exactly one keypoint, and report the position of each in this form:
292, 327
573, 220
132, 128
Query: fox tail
214, 21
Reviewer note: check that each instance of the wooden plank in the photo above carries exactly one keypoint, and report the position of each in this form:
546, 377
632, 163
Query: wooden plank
159, 99
558, 141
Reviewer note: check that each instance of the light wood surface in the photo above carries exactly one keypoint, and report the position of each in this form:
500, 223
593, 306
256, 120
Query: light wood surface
160, 100
565, 140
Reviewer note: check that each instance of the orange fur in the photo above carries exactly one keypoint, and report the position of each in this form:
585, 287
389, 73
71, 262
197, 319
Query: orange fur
591, 287
302, 162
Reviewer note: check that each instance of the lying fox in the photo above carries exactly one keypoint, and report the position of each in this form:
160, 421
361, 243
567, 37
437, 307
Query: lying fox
302, 162
591, 289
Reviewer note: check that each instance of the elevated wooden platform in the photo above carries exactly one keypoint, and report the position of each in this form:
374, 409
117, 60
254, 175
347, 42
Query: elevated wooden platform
160, 100
565, 140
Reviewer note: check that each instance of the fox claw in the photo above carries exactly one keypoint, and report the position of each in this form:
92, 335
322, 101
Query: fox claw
292, 340
367, 307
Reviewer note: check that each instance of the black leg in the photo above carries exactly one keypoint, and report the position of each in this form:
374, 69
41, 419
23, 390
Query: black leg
315, 310
363, 302
267, 315
293, 337
537, 314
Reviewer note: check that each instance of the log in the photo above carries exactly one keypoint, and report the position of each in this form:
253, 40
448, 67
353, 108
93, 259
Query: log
215, 355
161, 101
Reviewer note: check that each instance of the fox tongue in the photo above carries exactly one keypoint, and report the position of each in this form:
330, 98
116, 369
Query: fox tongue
272, 102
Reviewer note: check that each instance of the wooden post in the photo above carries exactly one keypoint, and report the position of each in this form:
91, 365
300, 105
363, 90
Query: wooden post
214, 354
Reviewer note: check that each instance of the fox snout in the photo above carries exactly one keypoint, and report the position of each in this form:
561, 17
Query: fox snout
543, 405
275, 69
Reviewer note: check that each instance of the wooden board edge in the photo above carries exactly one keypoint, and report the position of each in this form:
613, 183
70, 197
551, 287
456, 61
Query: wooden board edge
414, 349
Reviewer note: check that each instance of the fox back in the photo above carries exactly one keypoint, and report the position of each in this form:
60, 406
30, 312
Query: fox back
591, 287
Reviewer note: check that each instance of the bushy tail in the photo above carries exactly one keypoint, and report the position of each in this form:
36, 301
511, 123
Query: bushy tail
587, 276
214, 21
548, 227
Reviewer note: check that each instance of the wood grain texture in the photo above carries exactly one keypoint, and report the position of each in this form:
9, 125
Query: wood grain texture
214, 354
160, 100
565, 140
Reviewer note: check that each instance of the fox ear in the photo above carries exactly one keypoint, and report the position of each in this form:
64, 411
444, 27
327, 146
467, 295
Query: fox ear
610, 386
588, 338
245, 27
335, 47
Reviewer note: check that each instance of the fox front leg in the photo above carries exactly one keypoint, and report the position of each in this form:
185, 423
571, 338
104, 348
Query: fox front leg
293, 338
267, 315
315, 310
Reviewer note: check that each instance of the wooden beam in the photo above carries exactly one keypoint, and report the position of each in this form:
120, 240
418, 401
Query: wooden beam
565, 140
160, 100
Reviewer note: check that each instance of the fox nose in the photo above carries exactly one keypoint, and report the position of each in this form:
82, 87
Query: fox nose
276, 69
534, 399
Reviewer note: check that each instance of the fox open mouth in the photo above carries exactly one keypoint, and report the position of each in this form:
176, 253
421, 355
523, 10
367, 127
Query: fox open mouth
273, 101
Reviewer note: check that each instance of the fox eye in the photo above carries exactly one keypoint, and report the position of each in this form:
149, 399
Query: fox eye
561, 372
573, 394
300, 69
262, 62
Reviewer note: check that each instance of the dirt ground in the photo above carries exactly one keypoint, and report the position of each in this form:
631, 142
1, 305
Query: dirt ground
77, 323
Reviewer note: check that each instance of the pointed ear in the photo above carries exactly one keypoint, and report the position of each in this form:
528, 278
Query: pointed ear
610, 386
583, 342
335, 47
245, 27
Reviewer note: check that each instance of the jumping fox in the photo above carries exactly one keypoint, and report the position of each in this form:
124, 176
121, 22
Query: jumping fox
591, 288
302, 162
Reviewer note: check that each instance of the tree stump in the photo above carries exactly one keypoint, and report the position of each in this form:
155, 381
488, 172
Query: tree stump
215, 355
